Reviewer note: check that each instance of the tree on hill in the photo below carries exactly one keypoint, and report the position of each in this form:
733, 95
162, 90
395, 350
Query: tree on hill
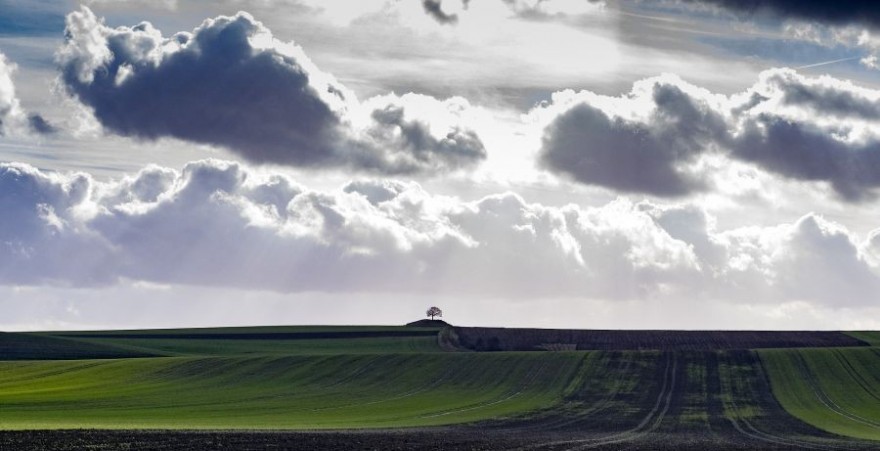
434, 311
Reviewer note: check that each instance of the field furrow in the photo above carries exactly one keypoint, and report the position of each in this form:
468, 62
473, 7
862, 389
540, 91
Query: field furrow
751, 410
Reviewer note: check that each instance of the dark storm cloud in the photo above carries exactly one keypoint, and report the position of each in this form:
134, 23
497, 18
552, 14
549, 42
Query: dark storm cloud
804, 152
434, 8
40, 125
817, 129
647, 155
412, 135
624, 156
650, 141
825, 98
215, 88
837, 12
231, 84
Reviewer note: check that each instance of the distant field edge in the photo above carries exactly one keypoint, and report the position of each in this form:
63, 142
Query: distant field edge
30, 346
871, 337
258, 335
511, 339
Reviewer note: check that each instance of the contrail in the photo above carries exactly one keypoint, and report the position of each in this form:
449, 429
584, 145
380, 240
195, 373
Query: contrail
828, 62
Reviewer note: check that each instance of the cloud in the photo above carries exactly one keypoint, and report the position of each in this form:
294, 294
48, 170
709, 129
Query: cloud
541, 9
525, 9
40, 125
819, 129
230, 83
10, 107
222, 224
642, 142
14, 120
653, 139
435, 10
812, 259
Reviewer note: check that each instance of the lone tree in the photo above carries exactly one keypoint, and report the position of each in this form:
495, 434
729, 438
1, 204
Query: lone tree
434, 311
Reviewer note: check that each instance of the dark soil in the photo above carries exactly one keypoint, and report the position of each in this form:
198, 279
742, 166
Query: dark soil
501, 339
24, 346
435, 323
439, 439
262, 335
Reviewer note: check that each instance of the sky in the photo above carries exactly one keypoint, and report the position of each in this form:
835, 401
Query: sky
668, 164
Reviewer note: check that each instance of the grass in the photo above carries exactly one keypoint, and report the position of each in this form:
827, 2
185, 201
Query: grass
279, 392
265, 378
837, 390
331, 377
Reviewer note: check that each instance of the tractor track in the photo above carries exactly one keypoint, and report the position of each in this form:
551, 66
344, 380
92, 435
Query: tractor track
826, 400
649, 423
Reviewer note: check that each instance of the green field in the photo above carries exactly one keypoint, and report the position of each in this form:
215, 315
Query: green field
318, 378
837, 390
220, 380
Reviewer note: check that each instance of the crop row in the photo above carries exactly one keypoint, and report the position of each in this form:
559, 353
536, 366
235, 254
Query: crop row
289, 392
837, 390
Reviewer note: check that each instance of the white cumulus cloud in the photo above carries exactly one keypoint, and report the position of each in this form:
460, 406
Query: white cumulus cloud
218, 223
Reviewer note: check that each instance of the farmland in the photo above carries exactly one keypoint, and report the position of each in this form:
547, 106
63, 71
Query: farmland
500, 339
299, 392
842, 388
410, 387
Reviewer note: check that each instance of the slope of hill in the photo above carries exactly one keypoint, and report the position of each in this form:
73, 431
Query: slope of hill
279, 392
639, 389
837, 390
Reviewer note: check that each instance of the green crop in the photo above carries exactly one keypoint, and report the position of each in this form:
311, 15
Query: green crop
837, 390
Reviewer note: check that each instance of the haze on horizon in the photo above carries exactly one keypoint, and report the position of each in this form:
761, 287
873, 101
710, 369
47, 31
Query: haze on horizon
671, 164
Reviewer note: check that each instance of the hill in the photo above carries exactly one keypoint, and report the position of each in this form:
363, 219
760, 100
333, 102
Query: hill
433, 323
642, 389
